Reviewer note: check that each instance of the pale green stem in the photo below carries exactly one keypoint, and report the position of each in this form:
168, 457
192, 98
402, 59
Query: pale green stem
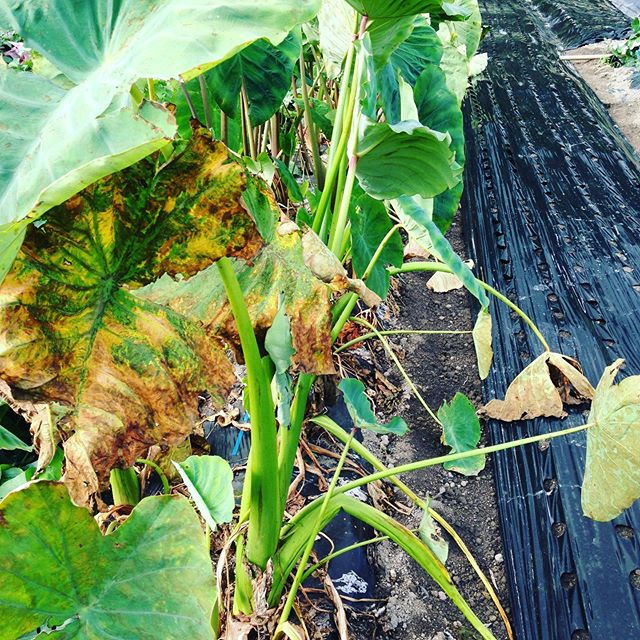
405, 375
205, 102
438, 267
399, 332
318, 168
161, 474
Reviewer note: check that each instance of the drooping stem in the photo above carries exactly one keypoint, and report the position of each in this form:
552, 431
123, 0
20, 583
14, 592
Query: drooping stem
436, 266
264, 512
405, 375
359, 449
161, 474
432, 462
399, 332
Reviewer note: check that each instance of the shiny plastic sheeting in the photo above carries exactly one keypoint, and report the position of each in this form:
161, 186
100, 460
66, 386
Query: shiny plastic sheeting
552, 214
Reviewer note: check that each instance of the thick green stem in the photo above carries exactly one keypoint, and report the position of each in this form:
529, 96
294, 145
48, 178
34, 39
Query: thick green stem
125, 487
246, 123
264, 514
297, 581
290, 437
436, 266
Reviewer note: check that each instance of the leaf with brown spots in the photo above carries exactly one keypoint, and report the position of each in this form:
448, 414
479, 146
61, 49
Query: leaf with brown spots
541, 390
126, 372
279, 270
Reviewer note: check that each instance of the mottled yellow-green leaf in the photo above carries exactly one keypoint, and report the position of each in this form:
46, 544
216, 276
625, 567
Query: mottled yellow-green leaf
59, 572
612, 472
482, 341
277, 273
72, 331
541, 390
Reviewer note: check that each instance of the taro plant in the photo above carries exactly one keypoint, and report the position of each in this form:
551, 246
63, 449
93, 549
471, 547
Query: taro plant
191, 186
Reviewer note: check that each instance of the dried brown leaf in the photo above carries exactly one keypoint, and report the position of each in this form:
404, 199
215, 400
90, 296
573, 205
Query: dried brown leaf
541, 390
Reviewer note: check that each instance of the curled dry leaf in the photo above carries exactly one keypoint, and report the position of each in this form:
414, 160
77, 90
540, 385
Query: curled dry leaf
612, 470
325, 266
444, 282
541, 390
482, 341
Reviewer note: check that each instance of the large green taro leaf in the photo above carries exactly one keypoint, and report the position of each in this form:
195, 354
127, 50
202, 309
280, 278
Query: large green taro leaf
55, 141
265, 72
129, 371
612, 471
400, 8
277, 273
151, 578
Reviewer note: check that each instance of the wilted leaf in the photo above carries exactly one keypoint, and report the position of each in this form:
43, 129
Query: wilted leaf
541, 389
482, 341
612, 472
326, 266
461, 432
278, 271
443, 282
361, 412
370, 224
59, 570
209, 481
431, 535
72, 330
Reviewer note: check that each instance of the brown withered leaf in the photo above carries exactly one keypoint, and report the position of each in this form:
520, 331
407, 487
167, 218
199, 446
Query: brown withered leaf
541, 390
126, 372
278, 270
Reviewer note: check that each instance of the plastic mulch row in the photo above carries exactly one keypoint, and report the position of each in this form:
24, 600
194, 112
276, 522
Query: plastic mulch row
552, 217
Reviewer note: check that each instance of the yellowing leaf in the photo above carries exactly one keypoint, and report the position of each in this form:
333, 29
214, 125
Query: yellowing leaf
442, 282
482, 341
612, 471
541, 390
127, 372
277, 273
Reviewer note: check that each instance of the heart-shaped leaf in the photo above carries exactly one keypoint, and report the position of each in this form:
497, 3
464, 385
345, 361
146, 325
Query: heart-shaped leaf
541, 390
59, 572
461, 432
209, 481
265, 72
612, 472
361, 411
386, 151
128, 371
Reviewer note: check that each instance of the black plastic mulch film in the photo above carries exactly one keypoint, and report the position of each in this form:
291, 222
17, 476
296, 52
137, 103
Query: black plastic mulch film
552, 217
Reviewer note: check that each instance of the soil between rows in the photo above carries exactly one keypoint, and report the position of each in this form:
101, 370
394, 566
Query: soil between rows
439, 366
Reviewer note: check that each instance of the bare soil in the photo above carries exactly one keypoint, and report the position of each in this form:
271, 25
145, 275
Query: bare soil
617, 88
439, 366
